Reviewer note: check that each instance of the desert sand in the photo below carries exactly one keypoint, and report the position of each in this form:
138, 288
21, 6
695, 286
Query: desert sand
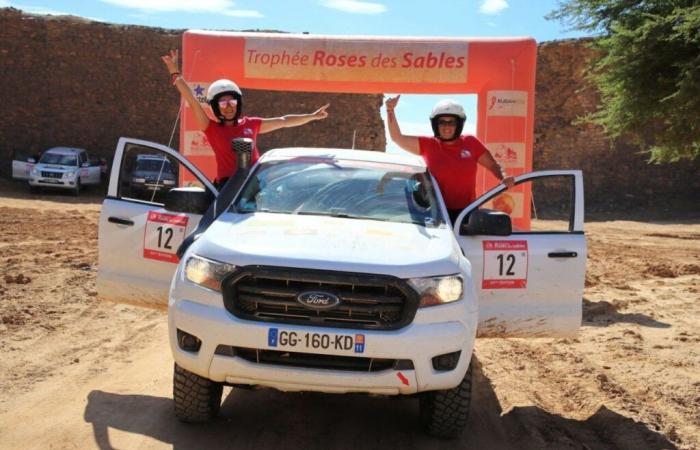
77, 372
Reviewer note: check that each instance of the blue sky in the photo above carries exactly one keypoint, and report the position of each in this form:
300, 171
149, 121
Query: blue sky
466, 18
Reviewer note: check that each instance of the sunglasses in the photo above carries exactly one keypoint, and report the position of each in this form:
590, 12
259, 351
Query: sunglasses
231, 102
447, 122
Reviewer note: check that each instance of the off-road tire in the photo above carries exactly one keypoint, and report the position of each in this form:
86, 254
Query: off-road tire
197, 399
76, 189
444, 413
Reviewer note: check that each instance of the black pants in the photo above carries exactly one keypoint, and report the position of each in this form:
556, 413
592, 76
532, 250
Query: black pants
453, 213
218, 184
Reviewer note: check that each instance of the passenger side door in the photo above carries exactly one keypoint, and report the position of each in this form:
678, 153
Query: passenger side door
89, 172
138, 238
530, 282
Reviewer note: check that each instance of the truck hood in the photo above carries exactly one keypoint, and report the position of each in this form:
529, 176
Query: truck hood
55, 167
330, 243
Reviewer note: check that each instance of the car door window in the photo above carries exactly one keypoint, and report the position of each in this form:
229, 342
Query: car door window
551, 204
147, 174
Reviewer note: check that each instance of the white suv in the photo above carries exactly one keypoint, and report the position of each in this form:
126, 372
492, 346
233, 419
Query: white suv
337, 271
64, 168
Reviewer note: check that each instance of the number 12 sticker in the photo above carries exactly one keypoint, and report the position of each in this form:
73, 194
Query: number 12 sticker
505, 265
164, 234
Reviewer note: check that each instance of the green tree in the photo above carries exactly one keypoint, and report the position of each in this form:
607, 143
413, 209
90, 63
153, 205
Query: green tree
647, 69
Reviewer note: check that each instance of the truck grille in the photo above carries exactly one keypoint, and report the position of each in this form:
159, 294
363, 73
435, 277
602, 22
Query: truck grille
367, 301
51, 174
315, 361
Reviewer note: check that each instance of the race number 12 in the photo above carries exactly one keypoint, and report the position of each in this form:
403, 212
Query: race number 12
164, 234
505, 265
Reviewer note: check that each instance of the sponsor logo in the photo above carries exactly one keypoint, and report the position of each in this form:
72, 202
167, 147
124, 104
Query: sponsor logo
507, 103
248, 132
508, 154
464, 154
318, 300
199, 90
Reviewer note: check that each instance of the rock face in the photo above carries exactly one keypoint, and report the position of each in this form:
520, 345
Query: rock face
70, 81
616, 174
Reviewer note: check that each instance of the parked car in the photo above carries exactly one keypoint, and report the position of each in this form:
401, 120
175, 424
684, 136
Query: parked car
59, 168
152, 175
338, 271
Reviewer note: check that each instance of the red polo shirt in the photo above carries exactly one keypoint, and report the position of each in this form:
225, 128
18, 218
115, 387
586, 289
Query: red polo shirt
454, 167
219, 137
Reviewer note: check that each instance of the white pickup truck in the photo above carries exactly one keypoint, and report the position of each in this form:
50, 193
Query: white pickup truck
337, 271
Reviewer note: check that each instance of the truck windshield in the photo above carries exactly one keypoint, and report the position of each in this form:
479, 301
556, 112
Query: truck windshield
58, 158
154, 165
341, 188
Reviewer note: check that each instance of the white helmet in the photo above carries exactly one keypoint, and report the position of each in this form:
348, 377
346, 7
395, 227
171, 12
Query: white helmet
220, 88
448, 108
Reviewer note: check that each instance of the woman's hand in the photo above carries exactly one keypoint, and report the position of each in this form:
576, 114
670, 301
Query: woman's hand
392, 102
170, 61
320, 113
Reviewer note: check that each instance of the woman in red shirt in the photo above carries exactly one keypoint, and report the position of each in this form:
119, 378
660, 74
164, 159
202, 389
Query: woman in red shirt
226, 101
451, 157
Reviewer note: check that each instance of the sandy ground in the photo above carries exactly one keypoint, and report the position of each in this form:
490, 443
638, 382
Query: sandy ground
76, 372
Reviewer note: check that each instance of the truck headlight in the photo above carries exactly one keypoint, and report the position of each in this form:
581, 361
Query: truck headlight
138, 180
168, 182
206, 272
35, 172
69, 174
437, 290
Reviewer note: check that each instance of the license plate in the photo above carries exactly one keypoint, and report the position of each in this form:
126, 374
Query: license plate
51, 180
306, 341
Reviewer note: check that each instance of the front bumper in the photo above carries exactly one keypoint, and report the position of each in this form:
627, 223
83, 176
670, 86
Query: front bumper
59, 183
434, 331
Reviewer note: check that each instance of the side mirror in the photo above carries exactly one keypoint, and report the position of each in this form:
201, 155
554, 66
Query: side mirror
85, 164
188, 200
31, 160
487, 221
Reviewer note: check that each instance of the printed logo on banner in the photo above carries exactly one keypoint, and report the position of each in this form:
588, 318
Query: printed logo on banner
200, 92
508, 154
164, 234
509, 202
196, 143
505, 265
506, 103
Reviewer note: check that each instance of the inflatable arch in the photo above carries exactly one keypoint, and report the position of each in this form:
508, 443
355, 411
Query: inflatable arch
501, 71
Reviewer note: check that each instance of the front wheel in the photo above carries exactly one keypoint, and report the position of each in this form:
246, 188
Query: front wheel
197, 399
76, 189
444, 413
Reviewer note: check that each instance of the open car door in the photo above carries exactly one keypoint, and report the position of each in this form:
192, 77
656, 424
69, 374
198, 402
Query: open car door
138, 238
22, 165
529, 282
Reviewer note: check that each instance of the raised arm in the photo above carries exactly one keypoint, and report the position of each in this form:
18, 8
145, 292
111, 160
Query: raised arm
292, 120
179, 82
487, 160
408, 143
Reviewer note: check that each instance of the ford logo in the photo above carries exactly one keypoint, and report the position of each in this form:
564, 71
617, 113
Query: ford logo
318, 300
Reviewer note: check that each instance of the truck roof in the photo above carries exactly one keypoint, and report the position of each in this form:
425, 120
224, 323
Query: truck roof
65, 150
346, 154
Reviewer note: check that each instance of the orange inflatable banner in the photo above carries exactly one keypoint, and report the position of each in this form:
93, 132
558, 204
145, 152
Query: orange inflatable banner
501, 71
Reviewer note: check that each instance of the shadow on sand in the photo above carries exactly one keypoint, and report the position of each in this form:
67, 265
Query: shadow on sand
602, 314
267, 419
